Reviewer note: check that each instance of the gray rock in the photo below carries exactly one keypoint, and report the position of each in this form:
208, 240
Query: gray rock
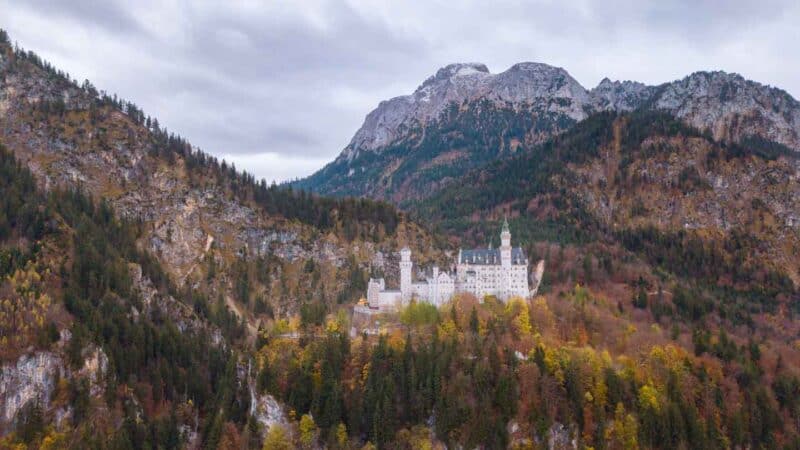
535, 83
30, 379
727, 105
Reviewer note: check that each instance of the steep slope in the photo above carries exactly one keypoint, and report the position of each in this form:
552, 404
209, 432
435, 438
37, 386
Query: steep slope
207, 223
645, 177
129, 324
94, 345
464, 117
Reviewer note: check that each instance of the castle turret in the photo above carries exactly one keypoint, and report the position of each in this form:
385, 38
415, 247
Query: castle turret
505, 236
505, 246
505, 261
405, 273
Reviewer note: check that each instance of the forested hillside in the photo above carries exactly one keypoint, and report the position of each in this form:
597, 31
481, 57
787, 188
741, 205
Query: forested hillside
264, 249
655, 185
152, 296
129, 370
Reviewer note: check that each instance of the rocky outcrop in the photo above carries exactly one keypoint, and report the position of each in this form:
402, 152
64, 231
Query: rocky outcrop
180, 314
264, 408
732, 108
31, 378
620, 95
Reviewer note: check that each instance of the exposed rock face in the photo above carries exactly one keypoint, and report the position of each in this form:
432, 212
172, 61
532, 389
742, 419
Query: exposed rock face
264, 408
179, 313
732, 108
620, 95
31, 378
535, 83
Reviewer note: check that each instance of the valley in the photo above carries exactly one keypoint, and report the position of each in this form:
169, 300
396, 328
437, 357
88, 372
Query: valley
155, 296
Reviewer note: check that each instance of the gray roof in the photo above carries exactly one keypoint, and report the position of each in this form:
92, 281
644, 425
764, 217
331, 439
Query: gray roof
491, 256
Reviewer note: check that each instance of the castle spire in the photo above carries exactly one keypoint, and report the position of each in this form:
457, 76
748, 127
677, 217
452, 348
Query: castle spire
505, 236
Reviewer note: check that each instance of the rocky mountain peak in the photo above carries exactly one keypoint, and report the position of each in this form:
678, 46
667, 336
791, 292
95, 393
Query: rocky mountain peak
534, 82
541, 100
620, 95
527, 82
732, 107
456, 70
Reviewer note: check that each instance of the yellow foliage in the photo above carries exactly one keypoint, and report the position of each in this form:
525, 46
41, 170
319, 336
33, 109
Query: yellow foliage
648, 397
308, 430
54, 441
277, 439
518, 307
623, 430
25, 313
341, 435
448, 328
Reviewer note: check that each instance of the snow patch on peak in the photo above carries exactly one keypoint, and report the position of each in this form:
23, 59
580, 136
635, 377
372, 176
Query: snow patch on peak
460, 69
452, 71
533, 66
469, 69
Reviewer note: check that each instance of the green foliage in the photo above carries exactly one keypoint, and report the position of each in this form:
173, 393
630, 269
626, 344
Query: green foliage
419, 313
721, 269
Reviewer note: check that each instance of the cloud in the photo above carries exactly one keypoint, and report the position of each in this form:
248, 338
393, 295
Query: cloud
280, 87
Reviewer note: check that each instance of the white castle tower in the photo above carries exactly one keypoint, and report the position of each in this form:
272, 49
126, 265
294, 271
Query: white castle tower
505, 260
405, 274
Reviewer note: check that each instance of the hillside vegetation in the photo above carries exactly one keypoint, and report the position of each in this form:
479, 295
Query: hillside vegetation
152, 296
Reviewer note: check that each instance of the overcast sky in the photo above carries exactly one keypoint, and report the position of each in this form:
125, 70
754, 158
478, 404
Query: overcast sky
279, 87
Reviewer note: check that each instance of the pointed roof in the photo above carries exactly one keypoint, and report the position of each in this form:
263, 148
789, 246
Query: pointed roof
505, 225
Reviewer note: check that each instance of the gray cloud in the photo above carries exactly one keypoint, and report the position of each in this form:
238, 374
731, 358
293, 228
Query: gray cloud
280, 87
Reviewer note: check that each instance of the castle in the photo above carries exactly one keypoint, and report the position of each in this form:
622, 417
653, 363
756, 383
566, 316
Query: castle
501, 272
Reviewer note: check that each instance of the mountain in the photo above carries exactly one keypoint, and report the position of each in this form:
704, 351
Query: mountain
549, 87
661, 188
134, 262
86, 312
464, 117
199, 213
154, 297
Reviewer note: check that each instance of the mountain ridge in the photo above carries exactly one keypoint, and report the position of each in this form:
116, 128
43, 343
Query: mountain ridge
728, 106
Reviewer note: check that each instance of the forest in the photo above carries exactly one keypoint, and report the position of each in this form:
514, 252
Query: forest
65, 265
489, 375
640, 337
